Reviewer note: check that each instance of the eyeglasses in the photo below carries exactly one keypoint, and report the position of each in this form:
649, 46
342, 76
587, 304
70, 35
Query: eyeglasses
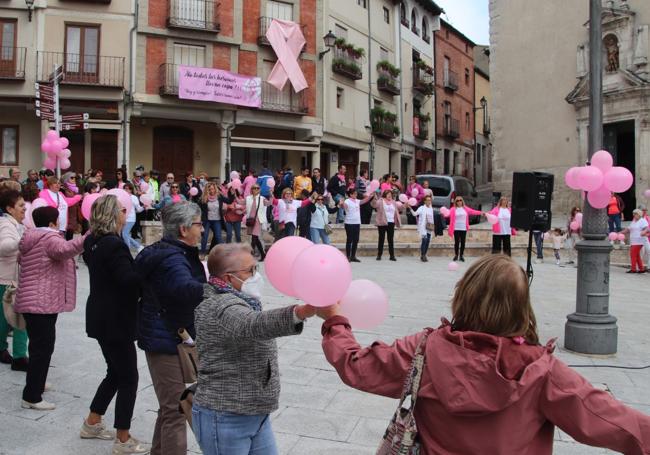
319, 199
197, 223
174, 186
255, 188
72, 178
252, 270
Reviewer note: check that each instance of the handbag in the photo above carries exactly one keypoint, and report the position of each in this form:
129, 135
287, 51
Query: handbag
401, 435
328, 229
430, 227
250, 221
188, 357
16, 320
186, 401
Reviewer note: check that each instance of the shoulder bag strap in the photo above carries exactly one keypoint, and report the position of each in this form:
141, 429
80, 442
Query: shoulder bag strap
415, 373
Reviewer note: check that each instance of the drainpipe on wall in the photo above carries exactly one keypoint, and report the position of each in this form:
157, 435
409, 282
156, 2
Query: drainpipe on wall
128, 96
398, 54
435, 105
371, 149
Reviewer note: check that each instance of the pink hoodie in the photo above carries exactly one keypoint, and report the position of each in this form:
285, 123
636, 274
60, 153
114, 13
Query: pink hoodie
486, 394
495, 227
45, 194
452, 218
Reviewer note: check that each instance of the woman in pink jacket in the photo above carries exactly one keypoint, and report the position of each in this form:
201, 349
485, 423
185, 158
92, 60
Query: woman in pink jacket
54, 197
486, 375
459, 225
501, 230
47, 286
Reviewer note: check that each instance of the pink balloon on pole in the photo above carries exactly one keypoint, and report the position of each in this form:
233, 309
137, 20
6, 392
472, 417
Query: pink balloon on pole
123, 197
65, 153
46, 146
492, 218
613, 236
413, 202
600, 198
415, 192
64, 142
444, 211
590, 178
87, 204
618, 179
571, 178
602, 159
321, 275
194, 191
52, 135
270, 182
403, 198
49, 163
365, 304
452, 266
28, 221
575, 226
620, 237
64, 163
146, 200
279, 261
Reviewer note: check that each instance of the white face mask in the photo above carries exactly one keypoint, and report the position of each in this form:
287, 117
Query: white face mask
253, 285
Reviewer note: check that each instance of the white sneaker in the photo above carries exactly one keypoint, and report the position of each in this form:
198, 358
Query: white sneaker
40, 406
96, 431
557, 262
129, 447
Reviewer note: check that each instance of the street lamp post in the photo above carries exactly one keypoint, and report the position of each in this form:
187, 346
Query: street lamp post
591, 329
371, 152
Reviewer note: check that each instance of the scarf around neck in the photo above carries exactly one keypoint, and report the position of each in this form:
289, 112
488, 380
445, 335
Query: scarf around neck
224, 288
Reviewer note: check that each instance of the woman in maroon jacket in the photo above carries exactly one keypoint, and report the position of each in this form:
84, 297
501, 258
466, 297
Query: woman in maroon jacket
486, 375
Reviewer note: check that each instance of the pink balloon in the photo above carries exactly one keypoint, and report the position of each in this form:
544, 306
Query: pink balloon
415, 192
123, 197
49, 163
64, 142
618, 179
28, 222
365, 304
600, 198
452, 266
444, 211
602, 159
64, 163
621, 237
235, 184
373, 186
321, 275
646, 193
279, 261
492, 218
399, 205
575, 226
270, 182
613, 236
234, 175
590, 178
194, 191
52, 135
578, 217
403, 198
87, 204
571, 178
146, 200
65, 153
413, 202
46, 146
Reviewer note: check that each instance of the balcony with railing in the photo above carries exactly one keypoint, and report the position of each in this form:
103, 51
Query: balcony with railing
194, 14
12, 63
423, 80
421, 127
451, 80
168, 77
347, 64
264, 24
384, 123
285, 100
451, 127
388, 81
93, 70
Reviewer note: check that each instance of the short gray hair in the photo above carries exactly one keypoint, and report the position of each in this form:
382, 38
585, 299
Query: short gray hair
177, 215
223, 258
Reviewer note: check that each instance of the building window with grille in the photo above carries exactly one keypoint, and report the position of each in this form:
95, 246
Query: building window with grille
9, 145
468, 124
339, 98
279, 10
81, 53
447, 116
386, 15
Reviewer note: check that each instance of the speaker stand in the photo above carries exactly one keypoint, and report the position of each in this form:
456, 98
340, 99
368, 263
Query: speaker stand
529, 264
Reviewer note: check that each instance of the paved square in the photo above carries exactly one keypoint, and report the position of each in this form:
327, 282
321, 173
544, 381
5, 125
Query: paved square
318, 414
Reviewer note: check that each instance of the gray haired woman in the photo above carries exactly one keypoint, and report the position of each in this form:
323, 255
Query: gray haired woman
238, 378
172, 279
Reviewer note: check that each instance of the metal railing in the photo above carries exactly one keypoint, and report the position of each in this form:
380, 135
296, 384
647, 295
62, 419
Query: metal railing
79, 69
386, 82
384, 128
451, 127
12, 62
345, 64
264, 24
168, 77
283, 100
195, 14
422, 81
422, 131
451, 80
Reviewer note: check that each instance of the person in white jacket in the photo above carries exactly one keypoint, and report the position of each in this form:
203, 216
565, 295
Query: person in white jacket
130, 219
256, 220
424, 215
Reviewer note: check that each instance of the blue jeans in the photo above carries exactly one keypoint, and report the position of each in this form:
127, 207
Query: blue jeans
237, 227
614, 222
126, 235
539, 243
215, 226
316, 234
224, 433
340, 215
424, 245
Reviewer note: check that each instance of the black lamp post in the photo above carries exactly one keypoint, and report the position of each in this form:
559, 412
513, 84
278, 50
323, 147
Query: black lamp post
30, 5
329, 40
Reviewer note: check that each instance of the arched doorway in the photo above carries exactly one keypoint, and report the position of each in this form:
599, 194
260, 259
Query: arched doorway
173, 150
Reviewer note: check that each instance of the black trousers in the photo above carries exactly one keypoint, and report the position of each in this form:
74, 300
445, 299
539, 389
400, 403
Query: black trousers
499, 241
351, 239
386, 231
366, 213
257, 243
121, 379
41, 330
459, 242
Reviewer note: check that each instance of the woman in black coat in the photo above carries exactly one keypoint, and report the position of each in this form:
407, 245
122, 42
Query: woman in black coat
111, 313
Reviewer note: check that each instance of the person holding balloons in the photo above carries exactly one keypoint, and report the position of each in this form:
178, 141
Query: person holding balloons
501, 230
186, 188
639, 232
485, 372
239, 380
53, 196
352, 222
288, 211
11, 230
387, 219
425, 223
174, 197
574, 229
234, 209
615, 208
459, 225
414, 189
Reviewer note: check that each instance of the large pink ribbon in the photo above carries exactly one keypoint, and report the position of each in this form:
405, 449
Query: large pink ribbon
287, 41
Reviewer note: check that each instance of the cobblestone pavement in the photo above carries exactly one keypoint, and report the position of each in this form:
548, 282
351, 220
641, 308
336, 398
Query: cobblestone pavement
318, 414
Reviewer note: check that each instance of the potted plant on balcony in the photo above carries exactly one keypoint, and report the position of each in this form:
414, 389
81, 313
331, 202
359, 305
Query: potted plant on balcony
421, 64
424, 118
385, 65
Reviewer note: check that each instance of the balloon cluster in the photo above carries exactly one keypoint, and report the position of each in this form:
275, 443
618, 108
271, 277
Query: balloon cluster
55, 148
600, 179
321, 276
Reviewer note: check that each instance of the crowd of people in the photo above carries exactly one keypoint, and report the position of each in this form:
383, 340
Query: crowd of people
163, 292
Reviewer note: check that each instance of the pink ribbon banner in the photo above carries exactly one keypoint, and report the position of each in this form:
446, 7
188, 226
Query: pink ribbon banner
209, 84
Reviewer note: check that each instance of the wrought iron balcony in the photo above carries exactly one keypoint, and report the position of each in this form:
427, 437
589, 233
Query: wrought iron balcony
347, 65
451, 80
12, 63
384, 125
286, 100
194, 14
388, 83
422, 81
168, 77
95, 70
451, 127
420, 128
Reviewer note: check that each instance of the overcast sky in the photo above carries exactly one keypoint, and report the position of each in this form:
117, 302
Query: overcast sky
471, 17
